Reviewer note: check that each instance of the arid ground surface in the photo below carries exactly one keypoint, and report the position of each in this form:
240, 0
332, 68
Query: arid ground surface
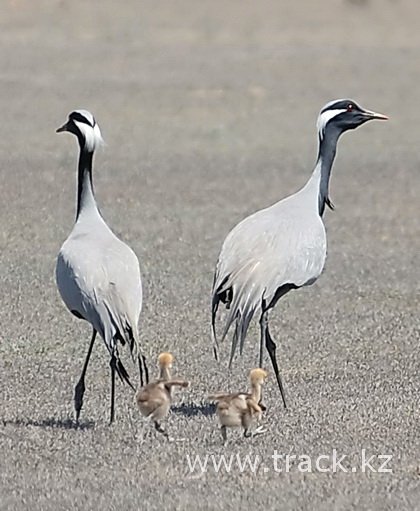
208, 110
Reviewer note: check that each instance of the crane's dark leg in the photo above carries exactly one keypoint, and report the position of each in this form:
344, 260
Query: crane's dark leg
271, 348
262, 341
140, 369
113, 364
80, 387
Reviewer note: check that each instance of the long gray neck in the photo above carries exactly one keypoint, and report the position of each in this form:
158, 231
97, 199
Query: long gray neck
85, 195
326, 155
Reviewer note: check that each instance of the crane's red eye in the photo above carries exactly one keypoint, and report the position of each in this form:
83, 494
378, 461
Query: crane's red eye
350, 108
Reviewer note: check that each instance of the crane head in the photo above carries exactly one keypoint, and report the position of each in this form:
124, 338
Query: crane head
82, 124
343, 115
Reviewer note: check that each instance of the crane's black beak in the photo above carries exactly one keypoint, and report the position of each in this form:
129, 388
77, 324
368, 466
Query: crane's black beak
374, 115
64, 127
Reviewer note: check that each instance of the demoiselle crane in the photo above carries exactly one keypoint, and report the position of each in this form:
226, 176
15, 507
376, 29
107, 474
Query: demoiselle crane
282, 247
98, 276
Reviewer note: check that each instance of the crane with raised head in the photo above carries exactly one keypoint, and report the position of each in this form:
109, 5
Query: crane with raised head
98, 276
282, 247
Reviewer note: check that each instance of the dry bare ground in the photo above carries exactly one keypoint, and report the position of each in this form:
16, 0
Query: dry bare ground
208, 110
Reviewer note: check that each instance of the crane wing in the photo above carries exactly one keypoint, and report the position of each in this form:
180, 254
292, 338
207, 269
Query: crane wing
275, 247
99, 278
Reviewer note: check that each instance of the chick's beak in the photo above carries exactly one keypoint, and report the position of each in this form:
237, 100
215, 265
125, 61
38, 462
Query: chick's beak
374, 115
64, 127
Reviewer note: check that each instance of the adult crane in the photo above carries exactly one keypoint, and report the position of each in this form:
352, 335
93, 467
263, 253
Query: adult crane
284, 246
98, 276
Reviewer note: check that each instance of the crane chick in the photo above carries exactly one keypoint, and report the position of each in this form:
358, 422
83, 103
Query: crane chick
154, 399
237, 410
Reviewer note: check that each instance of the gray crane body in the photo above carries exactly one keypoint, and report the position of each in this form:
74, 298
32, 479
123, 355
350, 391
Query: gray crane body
282, 247
283, 244
98, 276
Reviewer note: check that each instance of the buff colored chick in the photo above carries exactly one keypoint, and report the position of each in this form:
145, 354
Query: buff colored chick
154, 399
237, 410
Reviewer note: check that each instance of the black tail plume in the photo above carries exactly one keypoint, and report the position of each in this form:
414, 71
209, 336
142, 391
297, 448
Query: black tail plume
122, 372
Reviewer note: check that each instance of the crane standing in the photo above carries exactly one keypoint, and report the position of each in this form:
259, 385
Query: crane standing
282, 247
98, 276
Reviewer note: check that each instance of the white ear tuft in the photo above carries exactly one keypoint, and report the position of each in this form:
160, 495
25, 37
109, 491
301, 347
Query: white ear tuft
325, 117
93, 137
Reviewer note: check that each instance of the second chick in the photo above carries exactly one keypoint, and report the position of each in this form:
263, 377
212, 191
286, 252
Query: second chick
237, 410
154, 399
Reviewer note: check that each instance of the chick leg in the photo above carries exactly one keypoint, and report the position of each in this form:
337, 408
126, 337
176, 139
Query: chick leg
247, 433
259, 431
159, 428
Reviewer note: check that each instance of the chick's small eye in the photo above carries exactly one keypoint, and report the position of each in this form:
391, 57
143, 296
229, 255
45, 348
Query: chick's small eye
350, 108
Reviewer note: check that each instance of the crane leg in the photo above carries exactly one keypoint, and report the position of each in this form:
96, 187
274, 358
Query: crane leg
262, 341
80, 387
113, 365
271, 348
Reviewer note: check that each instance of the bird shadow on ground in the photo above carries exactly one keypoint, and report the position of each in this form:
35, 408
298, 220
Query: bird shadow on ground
52, 423
192, 409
